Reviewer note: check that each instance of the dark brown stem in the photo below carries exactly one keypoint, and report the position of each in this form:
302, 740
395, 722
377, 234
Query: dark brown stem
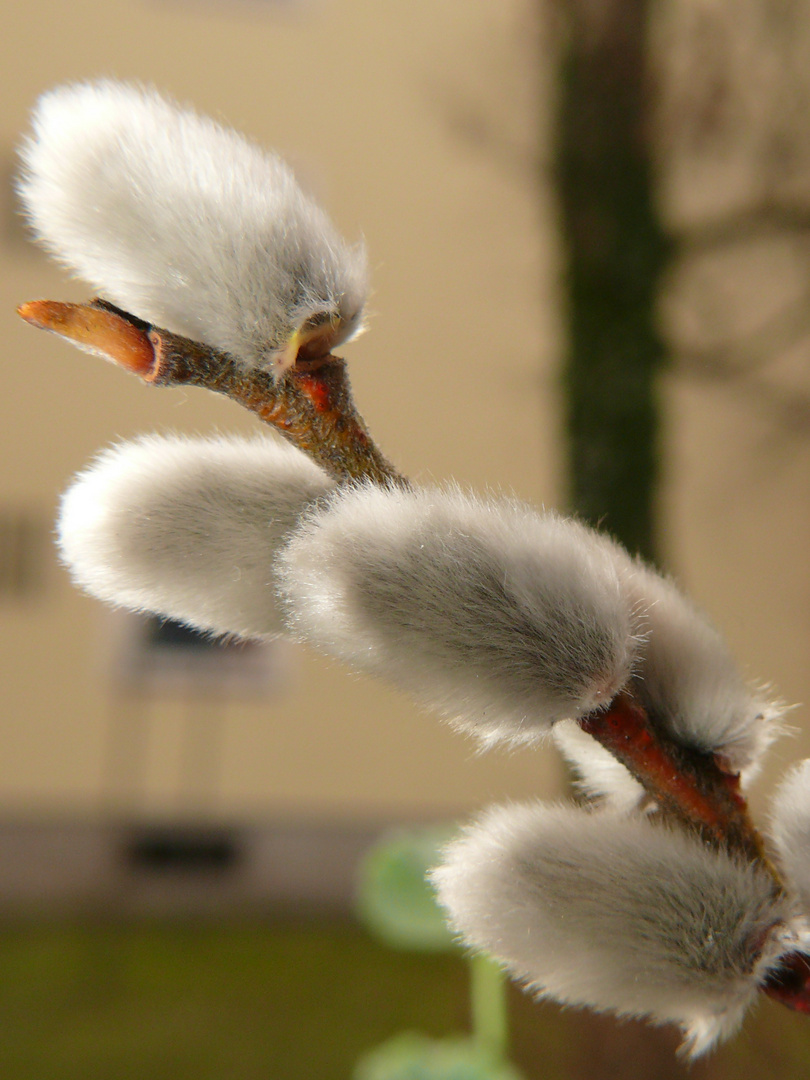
790, 984
685, 784
311, 404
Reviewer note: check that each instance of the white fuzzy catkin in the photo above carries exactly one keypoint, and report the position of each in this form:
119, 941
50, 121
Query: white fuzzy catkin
790, 828
618, 914
188, 528
504, 619
689, 682
185, 223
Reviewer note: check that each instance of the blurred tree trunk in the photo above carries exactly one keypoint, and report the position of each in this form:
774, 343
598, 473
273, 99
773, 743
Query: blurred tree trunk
616, 249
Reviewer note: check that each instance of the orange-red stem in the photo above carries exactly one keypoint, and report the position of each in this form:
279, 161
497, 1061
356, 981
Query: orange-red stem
684, 783
311, 404
97, 329
790, 984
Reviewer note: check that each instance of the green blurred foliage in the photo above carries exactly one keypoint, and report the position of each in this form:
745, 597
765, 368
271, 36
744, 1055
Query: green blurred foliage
416, 1057
394, 897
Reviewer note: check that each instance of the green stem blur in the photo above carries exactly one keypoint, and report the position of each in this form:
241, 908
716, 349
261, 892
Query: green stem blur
488, 1005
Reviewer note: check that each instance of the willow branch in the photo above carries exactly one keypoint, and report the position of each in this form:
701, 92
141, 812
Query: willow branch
686, 785
311, 404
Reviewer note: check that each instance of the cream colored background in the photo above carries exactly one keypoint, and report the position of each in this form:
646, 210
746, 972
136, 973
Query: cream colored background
456, 377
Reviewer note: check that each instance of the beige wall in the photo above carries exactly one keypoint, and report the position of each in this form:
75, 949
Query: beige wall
455, 376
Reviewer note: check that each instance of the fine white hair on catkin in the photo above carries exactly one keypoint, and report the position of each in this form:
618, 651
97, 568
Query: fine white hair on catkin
184, 222
689, 683
503, 619
599, 775
188, 528
614, 912
790, 828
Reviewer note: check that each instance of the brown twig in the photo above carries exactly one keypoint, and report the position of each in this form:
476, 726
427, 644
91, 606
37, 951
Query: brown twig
790, 984
685, 784
311, 404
